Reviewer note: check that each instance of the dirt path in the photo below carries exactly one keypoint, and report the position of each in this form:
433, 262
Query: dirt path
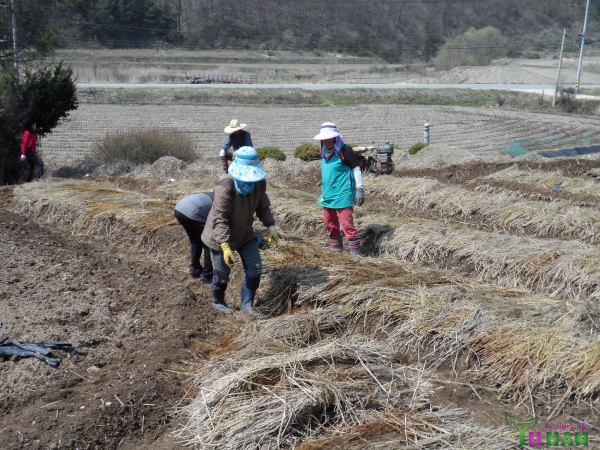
136, 324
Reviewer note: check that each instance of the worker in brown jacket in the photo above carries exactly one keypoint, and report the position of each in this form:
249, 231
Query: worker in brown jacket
237, 197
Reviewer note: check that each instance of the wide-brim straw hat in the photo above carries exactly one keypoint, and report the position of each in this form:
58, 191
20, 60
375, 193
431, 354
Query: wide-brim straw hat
234, 125
246, 166
329, 130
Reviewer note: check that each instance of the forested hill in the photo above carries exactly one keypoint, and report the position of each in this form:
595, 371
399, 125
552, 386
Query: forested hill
388, 28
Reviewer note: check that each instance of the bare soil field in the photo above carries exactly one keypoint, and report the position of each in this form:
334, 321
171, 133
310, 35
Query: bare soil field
426, 341
482, 131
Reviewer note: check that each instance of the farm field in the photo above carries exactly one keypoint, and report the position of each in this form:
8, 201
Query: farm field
481, 131
178, 66
477, 296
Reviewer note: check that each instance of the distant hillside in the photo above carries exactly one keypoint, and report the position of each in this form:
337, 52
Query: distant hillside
391, 29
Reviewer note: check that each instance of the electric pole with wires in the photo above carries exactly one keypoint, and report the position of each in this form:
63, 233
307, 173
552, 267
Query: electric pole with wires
15, 48
578, 81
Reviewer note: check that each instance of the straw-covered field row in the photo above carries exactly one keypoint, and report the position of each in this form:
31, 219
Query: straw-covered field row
327, 373
501, 211
546, 186
562, 269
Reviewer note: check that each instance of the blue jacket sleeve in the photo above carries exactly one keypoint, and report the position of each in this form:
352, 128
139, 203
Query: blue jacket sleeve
248, 140
227, 145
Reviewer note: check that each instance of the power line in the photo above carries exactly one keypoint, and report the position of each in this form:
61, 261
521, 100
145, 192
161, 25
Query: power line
126, 26
380, 45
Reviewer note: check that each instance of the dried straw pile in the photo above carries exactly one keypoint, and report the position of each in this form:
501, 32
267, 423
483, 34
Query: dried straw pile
92, 208
440, 318
546, 181
301, 379
561, 269
175, 191
503, 211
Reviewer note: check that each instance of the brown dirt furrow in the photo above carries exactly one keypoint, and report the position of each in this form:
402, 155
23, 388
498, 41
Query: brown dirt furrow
136, 322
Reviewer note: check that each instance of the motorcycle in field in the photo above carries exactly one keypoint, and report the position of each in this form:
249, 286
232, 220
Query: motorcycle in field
380, 162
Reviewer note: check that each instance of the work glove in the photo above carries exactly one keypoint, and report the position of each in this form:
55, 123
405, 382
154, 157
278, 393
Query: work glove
273, 237
360, 196
227, 255
23, 157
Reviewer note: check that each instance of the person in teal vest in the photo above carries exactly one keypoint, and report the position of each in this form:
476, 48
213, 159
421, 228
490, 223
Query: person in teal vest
341, 189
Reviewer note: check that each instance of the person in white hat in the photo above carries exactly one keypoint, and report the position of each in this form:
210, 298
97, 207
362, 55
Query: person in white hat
237, 197
237, 139
341, 187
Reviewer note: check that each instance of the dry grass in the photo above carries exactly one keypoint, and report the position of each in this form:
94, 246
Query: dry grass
504, 211
276, 390
442, 318
93, 208
547, 181
562, 269
143, 146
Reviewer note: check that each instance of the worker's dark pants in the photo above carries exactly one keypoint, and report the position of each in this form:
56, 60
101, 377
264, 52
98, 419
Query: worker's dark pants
194, 230
251, 263
33, 160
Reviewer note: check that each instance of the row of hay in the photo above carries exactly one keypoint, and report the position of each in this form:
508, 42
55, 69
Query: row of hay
319, 390
561, 269
506, 212
95, 208
522, 341
546, 181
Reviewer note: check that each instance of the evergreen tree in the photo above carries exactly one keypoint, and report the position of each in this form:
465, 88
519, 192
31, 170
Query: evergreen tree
137, 20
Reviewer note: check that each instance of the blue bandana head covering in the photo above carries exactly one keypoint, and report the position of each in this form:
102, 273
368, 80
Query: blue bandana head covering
243, 187
246, 166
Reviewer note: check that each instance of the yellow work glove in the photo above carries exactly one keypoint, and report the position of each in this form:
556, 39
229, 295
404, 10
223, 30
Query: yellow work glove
228, 255
273, 238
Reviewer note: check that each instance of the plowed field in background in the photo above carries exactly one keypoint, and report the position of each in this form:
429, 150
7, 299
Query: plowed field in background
481, 131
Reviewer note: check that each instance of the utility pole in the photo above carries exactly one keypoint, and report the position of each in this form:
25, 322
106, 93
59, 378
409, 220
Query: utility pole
562, 47
14, 21
587, 10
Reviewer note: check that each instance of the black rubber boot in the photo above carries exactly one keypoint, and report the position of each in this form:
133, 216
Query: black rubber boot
219, 302
247, 296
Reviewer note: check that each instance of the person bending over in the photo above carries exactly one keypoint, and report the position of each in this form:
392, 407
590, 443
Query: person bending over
191, 212
237, 197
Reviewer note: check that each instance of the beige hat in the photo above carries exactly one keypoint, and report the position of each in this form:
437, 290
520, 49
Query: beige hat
234, 125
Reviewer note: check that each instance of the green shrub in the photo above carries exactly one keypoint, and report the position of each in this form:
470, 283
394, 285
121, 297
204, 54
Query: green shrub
417, 147
308, 152
143, 146
270, 152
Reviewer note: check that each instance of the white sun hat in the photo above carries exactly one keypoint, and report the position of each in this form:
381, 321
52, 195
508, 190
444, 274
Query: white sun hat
329, 130
234, 125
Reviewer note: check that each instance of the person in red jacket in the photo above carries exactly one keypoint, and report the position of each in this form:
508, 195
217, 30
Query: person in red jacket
28, 150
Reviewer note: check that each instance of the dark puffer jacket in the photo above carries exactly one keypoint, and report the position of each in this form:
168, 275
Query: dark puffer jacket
230, 219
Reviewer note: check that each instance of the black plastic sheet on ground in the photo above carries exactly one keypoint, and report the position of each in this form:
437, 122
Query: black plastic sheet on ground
576, 151
40, 350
